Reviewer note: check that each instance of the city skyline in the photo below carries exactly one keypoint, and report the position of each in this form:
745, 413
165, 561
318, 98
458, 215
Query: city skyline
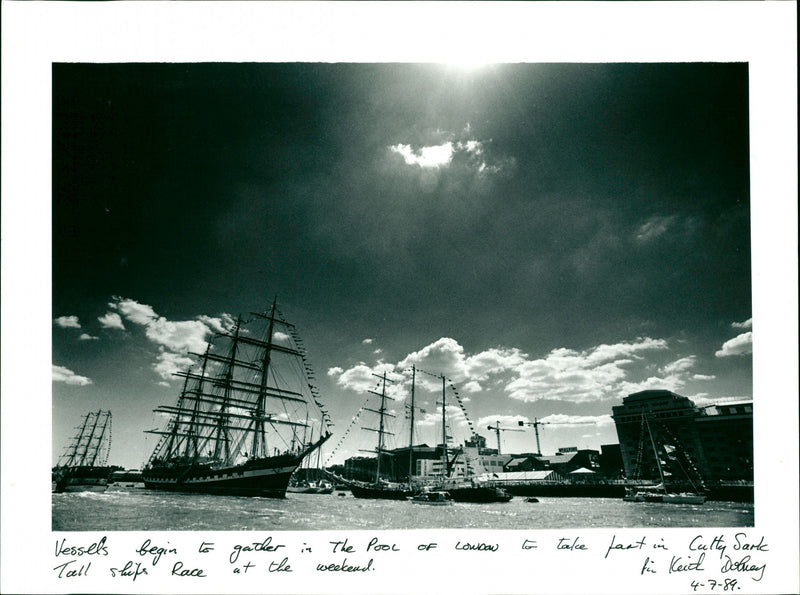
550, 237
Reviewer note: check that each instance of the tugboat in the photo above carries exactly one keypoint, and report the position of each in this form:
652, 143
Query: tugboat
236, 428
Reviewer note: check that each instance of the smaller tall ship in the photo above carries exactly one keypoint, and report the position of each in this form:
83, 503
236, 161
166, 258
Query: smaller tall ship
676, 471
82, 467
463, 488
466, 488
246, 416
381, 488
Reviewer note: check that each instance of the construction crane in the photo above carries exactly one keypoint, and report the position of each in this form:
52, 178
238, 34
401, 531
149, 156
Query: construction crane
536, 423
497, 429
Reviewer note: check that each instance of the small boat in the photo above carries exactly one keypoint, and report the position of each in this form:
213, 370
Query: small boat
433, 498
683, 498
532, 499
83, 468
311, 487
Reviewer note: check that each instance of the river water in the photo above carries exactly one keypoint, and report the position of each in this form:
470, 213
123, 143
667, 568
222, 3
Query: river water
139, 509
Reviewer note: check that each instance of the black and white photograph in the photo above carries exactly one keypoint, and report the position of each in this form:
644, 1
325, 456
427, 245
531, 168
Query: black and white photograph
523, 290
332, 318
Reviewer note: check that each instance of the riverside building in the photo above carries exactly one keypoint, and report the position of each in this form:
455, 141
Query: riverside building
717, 439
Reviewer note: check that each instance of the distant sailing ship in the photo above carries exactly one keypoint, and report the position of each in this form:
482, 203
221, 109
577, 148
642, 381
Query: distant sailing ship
240, 424
465, 489
668, 460
82, 467
381, 488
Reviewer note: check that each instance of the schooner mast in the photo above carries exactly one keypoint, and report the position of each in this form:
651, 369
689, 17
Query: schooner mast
89, 441
382, 413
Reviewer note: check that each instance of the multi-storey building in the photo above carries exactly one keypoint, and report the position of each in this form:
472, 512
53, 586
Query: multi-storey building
715, 443
726, 432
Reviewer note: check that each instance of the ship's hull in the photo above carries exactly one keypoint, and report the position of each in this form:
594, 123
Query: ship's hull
266, 477
82, 479
81, 485
380, 493
479, 494
683, 499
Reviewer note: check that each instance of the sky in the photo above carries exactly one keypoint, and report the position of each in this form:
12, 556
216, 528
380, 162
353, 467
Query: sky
551, 237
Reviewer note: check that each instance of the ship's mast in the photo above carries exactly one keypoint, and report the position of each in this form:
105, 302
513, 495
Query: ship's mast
193, 429
381, 411
174, 435
444, 433
101, 437
655, 452
91, 437
73, 456
259, 437
411, 431
222, 441
380, 430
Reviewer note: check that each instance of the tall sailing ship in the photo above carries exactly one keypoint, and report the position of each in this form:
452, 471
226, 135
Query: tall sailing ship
381, 488
82, 467
246, 416
463, 489
675, 469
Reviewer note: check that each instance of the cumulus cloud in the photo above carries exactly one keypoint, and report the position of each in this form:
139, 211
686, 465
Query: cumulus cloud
577, 420
454, 414
444, 356
740, 345
87, 337
168, 363
493, 361
221, 324
746, 324
703, 377
654, 228
579, 376
174, 338
679, 366
178, 336
471, 153
134, 311
186, 335
67, 322
362, 378
67, 376
111, 320
563, 374
671, 383
425, 157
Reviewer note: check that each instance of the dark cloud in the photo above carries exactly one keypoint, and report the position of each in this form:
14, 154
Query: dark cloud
581, 204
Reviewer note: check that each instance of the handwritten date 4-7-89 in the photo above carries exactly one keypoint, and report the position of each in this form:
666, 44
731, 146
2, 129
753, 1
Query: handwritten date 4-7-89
729, 585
